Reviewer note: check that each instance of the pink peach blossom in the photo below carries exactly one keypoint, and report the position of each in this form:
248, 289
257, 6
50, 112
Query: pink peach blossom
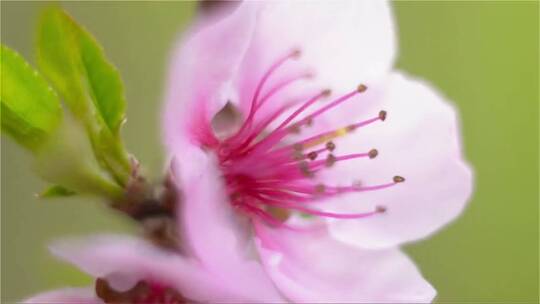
282, 201
321, 193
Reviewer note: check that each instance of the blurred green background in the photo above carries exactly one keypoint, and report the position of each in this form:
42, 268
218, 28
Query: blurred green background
483, 55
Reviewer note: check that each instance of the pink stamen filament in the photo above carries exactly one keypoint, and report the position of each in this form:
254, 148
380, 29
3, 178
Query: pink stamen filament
277, 130
323, 137
279, 133
279, 87
269, 119
274, 67
302, 209
263, 214
261, 173
329, 106
320, 163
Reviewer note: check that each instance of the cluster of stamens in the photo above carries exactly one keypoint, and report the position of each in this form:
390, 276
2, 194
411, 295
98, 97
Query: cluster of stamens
265, 172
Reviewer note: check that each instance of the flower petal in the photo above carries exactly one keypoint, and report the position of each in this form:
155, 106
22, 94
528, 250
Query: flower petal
124, 261
202, 69
420, 141
345, 42
314, 268
66, 296
217, 236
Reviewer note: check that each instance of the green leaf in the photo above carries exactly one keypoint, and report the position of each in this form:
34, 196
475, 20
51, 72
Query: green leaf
75, 62
56, 191
31, 110
104, 81
91, 87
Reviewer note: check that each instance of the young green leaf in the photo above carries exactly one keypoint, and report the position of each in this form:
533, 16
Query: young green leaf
91, 87
55, 191
104, 81
31, 111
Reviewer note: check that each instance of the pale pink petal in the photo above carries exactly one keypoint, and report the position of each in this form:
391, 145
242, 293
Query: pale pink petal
343, 42
311, 267
203, 67
420, 141
124, 261
66, 296
217, 235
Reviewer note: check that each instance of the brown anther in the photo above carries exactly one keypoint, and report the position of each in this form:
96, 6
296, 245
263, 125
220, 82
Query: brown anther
330, 146
351, 128
380, 209
296, 53
320, 188
326, 93
294, 129
373, 153
382, 115
398, 179
279, 213
298, 147
361, 88
298, 155
309, 121
312, 155
304, 168
330, 160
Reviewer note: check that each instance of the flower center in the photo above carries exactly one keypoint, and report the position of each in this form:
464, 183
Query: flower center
268, 175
